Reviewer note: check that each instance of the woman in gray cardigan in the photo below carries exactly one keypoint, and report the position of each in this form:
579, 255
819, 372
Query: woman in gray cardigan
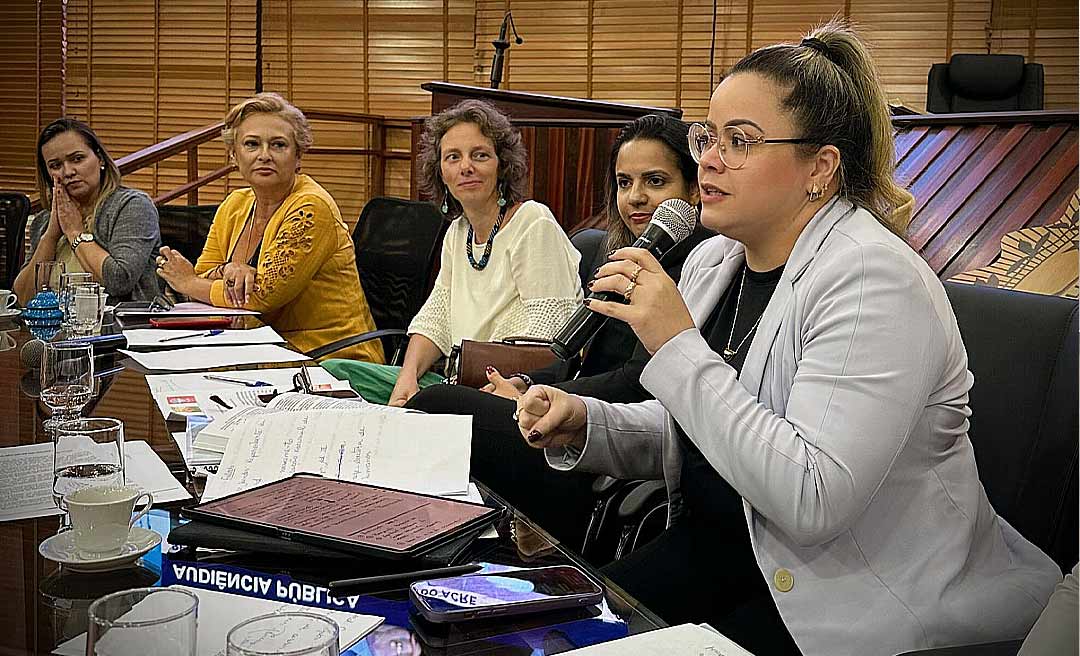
811, 386
90, 223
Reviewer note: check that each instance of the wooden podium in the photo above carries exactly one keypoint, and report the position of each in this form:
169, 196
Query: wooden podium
568, 139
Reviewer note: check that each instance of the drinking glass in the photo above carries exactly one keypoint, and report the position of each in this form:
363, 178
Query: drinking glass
87, 308
88, 452
281, 634
67, 379
159, 621
67, 283
47, 275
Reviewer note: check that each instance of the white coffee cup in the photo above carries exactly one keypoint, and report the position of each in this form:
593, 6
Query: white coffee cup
8, 299
101, 516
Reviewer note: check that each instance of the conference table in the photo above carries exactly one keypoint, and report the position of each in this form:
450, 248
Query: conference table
42, 605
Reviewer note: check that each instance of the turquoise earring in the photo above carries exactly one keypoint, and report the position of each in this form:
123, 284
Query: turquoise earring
502, 201
445, 208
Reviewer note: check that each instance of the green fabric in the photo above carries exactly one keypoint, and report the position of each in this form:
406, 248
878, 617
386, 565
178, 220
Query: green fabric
374, 382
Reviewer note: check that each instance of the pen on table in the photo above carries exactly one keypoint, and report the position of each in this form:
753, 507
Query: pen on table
405, 577
209, 333
238, 381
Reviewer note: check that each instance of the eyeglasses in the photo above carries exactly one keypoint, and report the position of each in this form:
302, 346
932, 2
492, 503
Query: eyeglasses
733, 145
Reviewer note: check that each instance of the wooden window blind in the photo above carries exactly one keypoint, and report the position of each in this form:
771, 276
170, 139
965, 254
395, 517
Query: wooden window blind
1045, 32
31, 83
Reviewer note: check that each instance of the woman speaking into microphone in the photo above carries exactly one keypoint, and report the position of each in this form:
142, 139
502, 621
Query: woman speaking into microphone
811, 389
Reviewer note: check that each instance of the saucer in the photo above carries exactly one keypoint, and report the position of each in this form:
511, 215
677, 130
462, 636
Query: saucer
61, 548
10, 313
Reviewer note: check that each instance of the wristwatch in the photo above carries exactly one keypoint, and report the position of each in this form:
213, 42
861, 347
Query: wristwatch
83, 238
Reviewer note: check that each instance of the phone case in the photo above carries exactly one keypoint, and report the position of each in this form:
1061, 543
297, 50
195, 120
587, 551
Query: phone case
191, 322
509, 608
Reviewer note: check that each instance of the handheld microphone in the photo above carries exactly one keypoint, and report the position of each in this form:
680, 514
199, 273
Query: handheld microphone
672, 221
33, 351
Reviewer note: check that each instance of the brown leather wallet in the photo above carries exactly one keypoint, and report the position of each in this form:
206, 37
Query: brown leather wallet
468, 362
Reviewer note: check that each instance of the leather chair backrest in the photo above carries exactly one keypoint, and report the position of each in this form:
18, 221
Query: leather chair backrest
397, 244
984, 83
185, 227
1022, 350
15, 211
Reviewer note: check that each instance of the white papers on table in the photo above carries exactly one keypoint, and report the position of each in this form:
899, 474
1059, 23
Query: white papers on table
186, 309
415, 452
206, 357
27, 475
179, 395
218, 613
141, 337
681, 639
194, 457
247, 405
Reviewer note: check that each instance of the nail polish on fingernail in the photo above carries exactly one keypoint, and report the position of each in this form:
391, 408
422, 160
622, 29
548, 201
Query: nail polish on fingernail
612, 252
489, 369
533, 436
587, 301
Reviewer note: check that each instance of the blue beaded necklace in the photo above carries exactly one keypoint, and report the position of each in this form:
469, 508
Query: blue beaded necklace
479, 266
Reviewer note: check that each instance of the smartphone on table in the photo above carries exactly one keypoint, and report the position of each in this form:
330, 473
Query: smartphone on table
499, 594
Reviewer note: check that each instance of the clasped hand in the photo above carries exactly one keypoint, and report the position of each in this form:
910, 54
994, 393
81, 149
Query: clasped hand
655, 309
65, 214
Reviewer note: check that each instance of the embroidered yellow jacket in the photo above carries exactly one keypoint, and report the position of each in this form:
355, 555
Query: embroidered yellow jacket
307, 285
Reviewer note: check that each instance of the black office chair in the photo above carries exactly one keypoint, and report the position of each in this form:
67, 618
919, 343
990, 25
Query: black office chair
984, 83
185, 227
15, 210
397, 245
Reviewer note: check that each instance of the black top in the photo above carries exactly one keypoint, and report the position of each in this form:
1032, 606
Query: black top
707, 496
614, 358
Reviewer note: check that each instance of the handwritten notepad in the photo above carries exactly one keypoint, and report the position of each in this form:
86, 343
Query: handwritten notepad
417, 452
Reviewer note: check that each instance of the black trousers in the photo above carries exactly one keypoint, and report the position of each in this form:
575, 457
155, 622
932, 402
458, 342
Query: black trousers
558, 501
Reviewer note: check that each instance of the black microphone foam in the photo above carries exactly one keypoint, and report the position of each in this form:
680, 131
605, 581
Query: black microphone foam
33, 351
672, 221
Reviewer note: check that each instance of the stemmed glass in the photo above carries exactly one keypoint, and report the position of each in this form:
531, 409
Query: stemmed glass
47, 275
87, 306
67, 379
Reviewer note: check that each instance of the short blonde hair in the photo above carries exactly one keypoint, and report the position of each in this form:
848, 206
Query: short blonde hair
268, 102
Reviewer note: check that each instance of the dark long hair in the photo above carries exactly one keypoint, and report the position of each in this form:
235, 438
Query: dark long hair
654, 127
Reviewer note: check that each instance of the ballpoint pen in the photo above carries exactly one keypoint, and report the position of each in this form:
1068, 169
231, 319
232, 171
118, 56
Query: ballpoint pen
238, 381
209, 333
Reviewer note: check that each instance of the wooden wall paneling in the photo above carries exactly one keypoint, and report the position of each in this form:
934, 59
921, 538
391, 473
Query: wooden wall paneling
730, 45
905, 140
913, 166
1038, 199
556, 34
941, 208
1055, 47
931, 181
634, 55
1008, 176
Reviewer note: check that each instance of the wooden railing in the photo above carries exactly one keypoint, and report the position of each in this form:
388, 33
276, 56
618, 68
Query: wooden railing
188, 143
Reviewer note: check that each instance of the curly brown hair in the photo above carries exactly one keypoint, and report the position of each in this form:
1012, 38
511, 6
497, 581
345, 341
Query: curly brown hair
493, 124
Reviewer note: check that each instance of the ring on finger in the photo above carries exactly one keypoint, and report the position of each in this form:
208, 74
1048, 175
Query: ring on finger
630, 286
634, 275
230, 283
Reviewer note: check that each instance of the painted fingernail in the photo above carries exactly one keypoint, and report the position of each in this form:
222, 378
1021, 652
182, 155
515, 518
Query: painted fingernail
612, 252
533, 436
489, 369
591, 283
587, 301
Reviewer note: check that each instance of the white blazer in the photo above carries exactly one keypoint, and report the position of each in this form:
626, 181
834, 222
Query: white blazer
846, 436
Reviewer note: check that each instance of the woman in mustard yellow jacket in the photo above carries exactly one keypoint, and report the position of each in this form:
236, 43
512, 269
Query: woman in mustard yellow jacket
280, 246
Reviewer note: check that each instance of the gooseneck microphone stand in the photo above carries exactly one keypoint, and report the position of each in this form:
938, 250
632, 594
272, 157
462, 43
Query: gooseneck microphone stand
502, 44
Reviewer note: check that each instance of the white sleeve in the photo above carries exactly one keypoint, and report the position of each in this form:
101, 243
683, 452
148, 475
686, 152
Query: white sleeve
544, 265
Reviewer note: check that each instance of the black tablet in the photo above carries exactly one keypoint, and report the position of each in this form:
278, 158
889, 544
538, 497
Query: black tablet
352, 517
